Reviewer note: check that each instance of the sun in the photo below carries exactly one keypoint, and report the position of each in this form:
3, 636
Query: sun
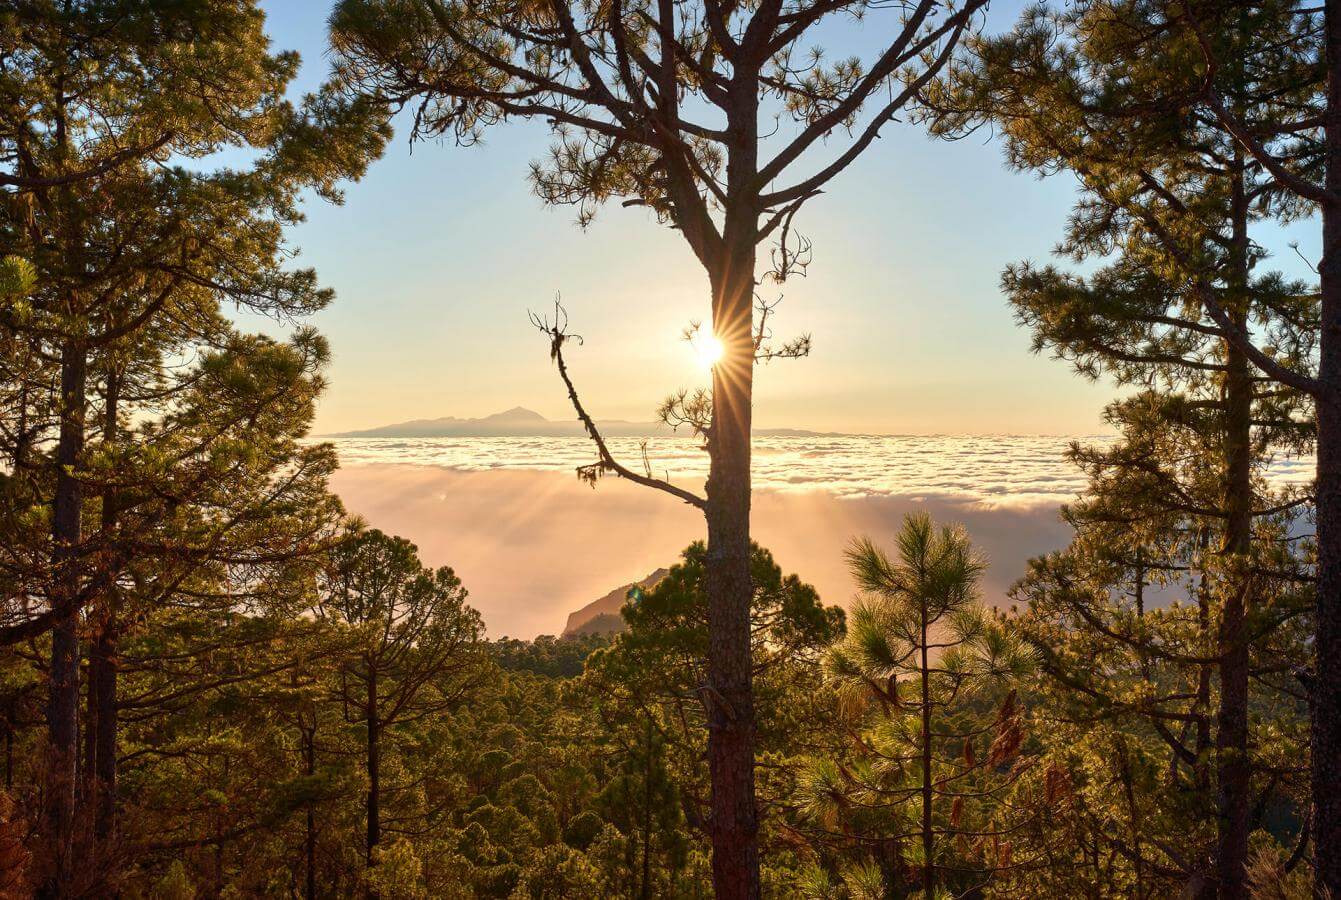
708, 349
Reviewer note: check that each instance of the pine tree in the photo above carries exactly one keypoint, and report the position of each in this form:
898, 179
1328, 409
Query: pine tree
643, 802
415, 646
924, 677
130, 259
713, 117
1171, 198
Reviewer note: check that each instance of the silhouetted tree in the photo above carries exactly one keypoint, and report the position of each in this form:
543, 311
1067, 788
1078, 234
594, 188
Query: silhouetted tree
1257, 85
1096, 90
99, 96
716, 117
415, 651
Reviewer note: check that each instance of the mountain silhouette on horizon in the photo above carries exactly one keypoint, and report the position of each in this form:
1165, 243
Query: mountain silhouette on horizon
522, 422
515, 422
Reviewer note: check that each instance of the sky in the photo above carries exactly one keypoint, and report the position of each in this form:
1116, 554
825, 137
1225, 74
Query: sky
438, 254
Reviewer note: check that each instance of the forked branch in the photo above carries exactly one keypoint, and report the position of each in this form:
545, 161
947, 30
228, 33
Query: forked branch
558, 334
764, 351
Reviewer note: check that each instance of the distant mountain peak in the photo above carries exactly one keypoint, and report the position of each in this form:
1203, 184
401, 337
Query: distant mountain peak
516, 414
515, 422
522, 422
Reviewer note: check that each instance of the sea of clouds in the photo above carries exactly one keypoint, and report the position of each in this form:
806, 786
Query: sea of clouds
1014, 469
532, 543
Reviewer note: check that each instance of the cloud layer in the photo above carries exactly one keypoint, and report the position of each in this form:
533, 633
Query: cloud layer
534, 545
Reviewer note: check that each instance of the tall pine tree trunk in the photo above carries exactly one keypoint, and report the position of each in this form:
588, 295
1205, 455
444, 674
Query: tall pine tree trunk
731, 729
66, 533
1326, 726
105, 653
102, 675
374, 805
928, 836
310, 841
645, 889
1233, 767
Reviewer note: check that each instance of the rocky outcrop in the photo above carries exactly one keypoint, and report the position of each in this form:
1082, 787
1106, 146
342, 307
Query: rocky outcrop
602, 616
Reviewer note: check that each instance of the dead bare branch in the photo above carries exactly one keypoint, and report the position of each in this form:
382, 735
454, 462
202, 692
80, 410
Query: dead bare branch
558, 334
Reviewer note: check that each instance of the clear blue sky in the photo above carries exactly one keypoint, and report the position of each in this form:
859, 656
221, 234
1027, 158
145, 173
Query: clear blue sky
438, 254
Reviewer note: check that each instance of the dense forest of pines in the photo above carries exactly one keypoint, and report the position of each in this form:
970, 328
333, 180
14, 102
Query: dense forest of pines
216, 683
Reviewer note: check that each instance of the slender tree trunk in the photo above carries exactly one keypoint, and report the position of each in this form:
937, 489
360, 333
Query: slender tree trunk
374, 773
1233, 767
1326, 725
310, 841
66, 532
1200, 887
102, 718
646, 891
89, 727
9, 750
731, 727
928, 836
106, 652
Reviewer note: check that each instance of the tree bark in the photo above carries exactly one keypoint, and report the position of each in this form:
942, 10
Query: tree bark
731, 725
374, 774
1233, 766
928, 836
66, 533
106, 651
645, 890
1326, 725
102, 719
310, 841
731, 728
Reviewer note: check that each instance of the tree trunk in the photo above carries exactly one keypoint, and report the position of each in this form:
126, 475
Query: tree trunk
66, 532
89, 731
9, 749
731, 728
1233, 767
374, 773
645, 891
1326, 726
103, 659
310, 841
105, 653
928, 836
